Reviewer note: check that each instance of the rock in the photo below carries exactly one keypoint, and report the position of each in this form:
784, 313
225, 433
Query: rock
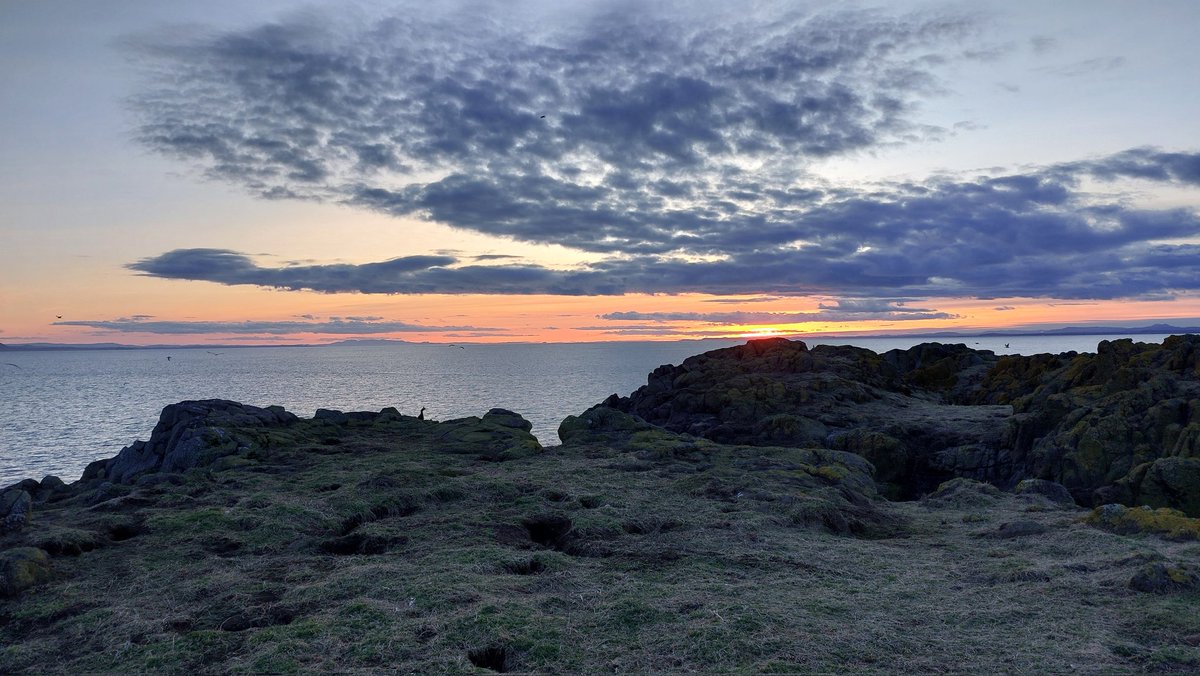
1119, 425
601, 424
16, 507
1165, 578
1128, 521
22, 568
1054, 492
506, 418
331, 416
188, 434
51, 484
1165, 482
496, 437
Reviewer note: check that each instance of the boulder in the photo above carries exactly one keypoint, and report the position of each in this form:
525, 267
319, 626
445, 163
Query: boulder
1165, 578
1128, 521
506, 418
16, 507
498, 435
188, 434
22, 568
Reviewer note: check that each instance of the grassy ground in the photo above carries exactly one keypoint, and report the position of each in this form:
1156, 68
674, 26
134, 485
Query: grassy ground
362, 547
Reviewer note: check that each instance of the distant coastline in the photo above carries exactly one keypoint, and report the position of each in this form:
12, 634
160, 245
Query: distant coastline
997, 333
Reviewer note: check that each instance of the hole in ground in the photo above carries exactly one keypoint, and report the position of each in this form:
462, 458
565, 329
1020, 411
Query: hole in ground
496, 657
125, 530
547, 529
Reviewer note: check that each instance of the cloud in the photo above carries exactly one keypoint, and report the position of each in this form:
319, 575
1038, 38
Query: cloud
678, 147
841, 311
348, 326
1101, 64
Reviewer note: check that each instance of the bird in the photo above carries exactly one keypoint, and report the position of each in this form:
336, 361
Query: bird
1006, 345
59, 316
542, 117
421, 415
9, 363
168, 359
211, 352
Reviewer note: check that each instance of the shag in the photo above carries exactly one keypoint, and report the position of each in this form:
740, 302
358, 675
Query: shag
421, 415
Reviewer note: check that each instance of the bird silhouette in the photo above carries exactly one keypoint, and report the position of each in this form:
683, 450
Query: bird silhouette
9, 363
1006, 345
421, 415
211, 352
59, 316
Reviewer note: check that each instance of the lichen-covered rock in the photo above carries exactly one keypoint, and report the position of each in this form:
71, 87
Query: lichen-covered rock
1122, 424
188, 434
601, 424
496, 436
16, 506
1127, 521
1165, 578
22, 568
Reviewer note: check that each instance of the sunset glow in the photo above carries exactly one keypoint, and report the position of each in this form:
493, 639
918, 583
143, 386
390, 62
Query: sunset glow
1015, 167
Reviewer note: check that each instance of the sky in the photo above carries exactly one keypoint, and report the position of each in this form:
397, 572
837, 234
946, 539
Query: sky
282, 172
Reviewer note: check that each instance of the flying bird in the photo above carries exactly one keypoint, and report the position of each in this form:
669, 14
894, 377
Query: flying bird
211, 352
59, 316
1006, 345
8, 363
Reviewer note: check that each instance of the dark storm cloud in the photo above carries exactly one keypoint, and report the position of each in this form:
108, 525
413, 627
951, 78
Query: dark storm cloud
348, 326
676, 146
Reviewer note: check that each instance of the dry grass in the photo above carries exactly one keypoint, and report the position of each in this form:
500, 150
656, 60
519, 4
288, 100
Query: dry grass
232, 572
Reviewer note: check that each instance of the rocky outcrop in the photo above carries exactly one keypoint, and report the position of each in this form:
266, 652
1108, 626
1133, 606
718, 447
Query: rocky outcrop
1121, 425
899, 410
188, 434
219, 434
812, 487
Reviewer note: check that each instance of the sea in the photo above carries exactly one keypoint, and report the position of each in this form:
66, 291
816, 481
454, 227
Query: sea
62, 409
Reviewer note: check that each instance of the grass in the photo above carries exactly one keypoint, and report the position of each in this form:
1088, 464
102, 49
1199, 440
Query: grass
678, 558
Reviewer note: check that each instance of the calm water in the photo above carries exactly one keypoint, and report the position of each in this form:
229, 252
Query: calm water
62, 409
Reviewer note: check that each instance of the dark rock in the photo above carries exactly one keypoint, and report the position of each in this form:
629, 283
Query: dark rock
52, 483
1165, 578
22, 568
1054, 492
189, 434
331, 416
506, 418
16, 507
